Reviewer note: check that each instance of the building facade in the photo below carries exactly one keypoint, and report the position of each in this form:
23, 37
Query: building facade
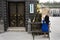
15, 13
54, 8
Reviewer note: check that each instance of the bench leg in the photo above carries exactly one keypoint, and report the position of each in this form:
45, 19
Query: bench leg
33, 36
49, 36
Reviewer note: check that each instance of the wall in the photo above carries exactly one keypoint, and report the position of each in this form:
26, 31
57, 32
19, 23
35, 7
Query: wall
3, 16
4, 11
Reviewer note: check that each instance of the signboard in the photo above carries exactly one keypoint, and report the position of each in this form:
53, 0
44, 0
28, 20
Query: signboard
31, 8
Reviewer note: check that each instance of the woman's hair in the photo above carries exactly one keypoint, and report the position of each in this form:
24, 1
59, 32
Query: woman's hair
46, 19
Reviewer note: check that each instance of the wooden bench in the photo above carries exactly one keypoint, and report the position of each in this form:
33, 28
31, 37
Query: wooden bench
38, 32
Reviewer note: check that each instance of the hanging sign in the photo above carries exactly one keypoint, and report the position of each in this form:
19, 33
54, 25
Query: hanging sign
31, 8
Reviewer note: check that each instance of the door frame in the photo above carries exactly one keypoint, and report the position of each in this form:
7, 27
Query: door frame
17, 10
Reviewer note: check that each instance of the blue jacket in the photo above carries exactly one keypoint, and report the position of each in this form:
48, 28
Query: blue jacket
45, 27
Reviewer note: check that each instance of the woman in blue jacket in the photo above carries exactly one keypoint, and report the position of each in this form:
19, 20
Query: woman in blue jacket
45, 24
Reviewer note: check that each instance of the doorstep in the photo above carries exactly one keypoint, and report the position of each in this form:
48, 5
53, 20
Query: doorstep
16, 29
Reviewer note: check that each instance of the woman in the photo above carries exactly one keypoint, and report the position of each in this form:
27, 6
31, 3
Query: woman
45, 25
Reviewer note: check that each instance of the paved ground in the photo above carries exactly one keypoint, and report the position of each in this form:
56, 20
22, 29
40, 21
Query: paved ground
19, 36
54, 35
55, 28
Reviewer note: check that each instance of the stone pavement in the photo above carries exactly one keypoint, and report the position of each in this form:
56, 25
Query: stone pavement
19, 36
54, 35
15, 36
55, 28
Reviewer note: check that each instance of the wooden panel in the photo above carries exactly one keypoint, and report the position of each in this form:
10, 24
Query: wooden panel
16, 14
12, 14
21, 14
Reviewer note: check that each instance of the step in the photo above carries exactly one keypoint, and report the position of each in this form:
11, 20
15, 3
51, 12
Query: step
16, 29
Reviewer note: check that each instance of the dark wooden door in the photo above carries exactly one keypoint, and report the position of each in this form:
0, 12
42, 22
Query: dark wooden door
21, 15
16, 15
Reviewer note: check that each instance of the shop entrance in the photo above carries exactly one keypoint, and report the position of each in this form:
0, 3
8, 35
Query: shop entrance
16, 14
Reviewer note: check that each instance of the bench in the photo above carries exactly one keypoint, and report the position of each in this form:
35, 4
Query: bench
37, 31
